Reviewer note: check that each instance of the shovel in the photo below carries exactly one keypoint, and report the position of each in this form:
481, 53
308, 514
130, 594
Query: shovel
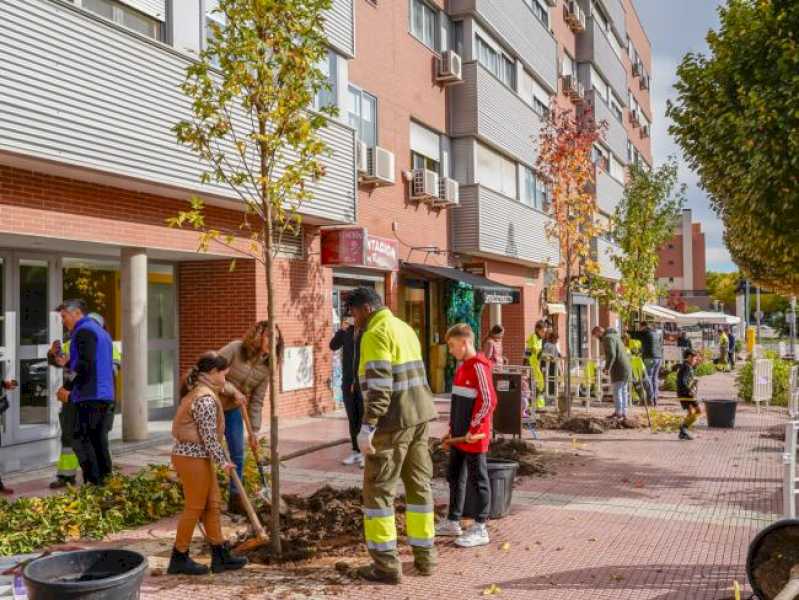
264, 492
260, 533
447, 442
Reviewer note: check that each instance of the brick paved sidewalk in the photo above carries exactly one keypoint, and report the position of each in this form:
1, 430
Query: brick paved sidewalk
629, 515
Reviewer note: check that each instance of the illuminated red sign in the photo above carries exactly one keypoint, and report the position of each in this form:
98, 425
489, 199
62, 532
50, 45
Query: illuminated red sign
354, 247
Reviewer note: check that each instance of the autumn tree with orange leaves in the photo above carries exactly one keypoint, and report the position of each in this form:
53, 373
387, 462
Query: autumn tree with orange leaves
565, 160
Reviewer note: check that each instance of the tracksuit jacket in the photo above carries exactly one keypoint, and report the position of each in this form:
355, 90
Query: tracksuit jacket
473, 402
91, 358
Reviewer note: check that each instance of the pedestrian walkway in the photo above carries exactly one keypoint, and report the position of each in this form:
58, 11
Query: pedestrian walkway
628, 515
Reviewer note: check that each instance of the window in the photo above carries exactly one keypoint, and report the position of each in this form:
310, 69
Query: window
423, 162
500, 65
616, 169
601, 157
539, 10
425, 148
508, 72
568, 66
534, 94
615, 107
496, 172
126, 16
212, 17
534, 190
423, 23
362, 114
629, 151
598, 84
328, 95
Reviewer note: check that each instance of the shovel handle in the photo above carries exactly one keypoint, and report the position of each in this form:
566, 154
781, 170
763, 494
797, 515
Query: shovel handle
250, 435
458, 440
256, 523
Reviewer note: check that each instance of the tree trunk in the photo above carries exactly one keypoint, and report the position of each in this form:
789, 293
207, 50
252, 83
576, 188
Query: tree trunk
568, 374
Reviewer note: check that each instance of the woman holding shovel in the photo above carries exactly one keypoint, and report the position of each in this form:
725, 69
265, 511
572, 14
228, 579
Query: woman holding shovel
198, 428
243, 397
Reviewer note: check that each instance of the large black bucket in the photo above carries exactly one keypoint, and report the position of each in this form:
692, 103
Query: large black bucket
773, 546
86, 575
501, 474
721, 413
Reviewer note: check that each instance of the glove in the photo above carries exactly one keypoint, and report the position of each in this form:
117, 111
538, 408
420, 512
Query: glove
365, 439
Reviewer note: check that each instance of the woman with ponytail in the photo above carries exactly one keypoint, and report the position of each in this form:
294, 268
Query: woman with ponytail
198, 429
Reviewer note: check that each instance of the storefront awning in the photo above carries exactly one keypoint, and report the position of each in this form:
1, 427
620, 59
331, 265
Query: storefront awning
493, 292
661, 314
556, 308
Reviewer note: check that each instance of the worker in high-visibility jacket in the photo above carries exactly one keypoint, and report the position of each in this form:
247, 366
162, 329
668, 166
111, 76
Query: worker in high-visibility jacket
535, 346
398, 408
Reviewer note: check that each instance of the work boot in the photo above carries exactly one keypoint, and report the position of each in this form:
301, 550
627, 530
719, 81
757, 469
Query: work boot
62, 482
375, 575
425, 569
181, 564
235, 505
222, 560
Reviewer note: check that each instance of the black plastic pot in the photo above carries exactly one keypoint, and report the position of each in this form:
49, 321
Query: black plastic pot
86, 575
721, 413
755, 557
501, 474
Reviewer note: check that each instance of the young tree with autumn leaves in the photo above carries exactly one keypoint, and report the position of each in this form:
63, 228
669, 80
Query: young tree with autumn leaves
643, 222
251, 126
565, 159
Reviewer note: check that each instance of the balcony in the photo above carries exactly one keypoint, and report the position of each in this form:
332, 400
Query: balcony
340, 27
615, 10
86, 94
514, 22
489, 224
615, 135
609, 192
484, 107
604, 250
594, 47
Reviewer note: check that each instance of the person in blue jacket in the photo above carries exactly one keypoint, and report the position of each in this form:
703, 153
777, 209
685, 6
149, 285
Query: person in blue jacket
91, 390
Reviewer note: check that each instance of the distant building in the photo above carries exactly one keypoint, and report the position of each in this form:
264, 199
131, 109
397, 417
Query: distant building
682, 267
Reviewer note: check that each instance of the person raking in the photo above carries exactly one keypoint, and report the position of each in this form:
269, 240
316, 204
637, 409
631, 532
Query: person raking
473, 402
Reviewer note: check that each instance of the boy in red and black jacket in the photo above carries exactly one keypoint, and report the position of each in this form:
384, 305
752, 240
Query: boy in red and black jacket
473, 403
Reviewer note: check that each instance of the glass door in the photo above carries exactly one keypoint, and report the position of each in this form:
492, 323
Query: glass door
33, 405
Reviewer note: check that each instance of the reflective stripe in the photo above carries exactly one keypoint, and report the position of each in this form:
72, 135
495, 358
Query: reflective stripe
414, 364
420, 543
419, 508
400, 386
382, 384
384, 547
378, 365
420, 525
378, 512
459, 390
380, 530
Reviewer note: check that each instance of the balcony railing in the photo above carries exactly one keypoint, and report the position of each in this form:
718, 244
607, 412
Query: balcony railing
593, 46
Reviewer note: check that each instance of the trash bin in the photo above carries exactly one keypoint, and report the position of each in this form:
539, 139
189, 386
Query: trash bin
721, 413
771, 555
508, 413
501, 474
86, 575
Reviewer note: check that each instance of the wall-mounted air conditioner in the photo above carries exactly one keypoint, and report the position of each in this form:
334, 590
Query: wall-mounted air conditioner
379, 166
450, 67
424, 185
448, 192
362, 157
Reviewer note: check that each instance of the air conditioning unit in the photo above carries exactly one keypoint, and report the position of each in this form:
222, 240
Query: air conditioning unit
638, 68
570, 84
448, 194
424, 185
450, 67
646, 82
645, 131
379, 167
362, 157
575, 16
579, 97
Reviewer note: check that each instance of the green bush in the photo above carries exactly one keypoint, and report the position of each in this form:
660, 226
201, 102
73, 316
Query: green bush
704, 369
739, 345
781, 374
670, 383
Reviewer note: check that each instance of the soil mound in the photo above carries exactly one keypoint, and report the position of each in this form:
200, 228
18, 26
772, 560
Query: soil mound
532, 461
585, 423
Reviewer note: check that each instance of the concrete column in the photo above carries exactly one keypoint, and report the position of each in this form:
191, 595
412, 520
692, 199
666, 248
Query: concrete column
687, 251
494, 315
134, 344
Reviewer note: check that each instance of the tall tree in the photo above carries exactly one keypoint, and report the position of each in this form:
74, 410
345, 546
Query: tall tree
644, 220
565, 159
251, 126
736, 119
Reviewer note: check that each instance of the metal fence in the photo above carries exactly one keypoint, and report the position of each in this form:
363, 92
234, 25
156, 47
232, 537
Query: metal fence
789, 456
762, 386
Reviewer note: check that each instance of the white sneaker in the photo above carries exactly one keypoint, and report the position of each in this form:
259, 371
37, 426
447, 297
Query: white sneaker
361, 460
476, 535
447, 528
353, 458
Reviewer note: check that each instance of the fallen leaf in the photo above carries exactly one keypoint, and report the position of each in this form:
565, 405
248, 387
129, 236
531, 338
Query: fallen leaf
593, 539
505, 547
558, 549
527, 548
492, 590
617, 577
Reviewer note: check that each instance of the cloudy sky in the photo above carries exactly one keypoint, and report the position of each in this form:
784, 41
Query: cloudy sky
676, 27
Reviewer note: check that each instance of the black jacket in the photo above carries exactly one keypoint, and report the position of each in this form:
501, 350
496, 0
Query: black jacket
345, 340
651, 343
685, 381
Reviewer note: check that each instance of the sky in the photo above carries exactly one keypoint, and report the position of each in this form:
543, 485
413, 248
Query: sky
676, 27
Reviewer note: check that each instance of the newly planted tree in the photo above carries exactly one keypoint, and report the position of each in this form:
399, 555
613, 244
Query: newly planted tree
565, 160
644, 220
251, 125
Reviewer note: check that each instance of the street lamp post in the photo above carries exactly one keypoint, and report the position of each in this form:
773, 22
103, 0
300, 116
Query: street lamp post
793, 327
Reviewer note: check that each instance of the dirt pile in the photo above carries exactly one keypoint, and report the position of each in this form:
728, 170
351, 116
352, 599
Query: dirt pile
586, 423
327, 523
532, 461
771, 565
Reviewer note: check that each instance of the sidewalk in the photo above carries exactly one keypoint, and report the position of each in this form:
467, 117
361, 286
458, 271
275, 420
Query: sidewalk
628, 515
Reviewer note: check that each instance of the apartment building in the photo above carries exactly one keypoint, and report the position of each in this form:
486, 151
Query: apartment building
89, 173
682, 268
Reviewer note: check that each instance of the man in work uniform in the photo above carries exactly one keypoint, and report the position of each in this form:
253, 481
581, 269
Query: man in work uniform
398, 407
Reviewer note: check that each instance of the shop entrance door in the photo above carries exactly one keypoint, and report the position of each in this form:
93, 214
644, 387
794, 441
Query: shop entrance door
30, 291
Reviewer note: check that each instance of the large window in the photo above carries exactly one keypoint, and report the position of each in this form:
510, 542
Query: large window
615, 108
534, 93
327, 96
496, 62
539, 10
598, 84
425, 148
125, 16
496, 172
534, 190
616, 169
363, 115
424, 23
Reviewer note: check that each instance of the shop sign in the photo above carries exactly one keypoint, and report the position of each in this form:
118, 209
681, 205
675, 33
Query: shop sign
354, 247
494, 297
